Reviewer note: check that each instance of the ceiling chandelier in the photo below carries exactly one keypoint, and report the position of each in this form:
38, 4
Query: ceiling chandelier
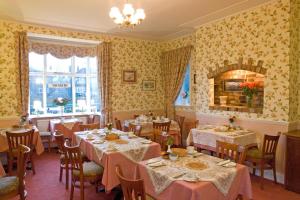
129, 17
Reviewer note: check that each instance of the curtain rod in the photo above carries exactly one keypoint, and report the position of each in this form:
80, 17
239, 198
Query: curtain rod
42, 37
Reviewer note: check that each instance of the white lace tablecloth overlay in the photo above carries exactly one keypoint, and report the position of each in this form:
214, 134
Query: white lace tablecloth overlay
210, 136
134, 150
221, 177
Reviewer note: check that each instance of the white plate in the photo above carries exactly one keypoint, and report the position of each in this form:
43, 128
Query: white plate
98, 142
154, 160
146, 142
224, 162
191, 179
229, 165
156, 164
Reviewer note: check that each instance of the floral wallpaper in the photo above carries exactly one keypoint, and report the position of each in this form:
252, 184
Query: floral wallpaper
141, 55
261, 33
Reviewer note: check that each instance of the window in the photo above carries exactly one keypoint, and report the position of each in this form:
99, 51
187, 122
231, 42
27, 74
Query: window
73, 78
183, 98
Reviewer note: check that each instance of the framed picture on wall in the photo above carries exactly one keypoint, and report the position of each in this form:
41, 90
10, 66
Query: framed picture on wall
129, 76
148, 85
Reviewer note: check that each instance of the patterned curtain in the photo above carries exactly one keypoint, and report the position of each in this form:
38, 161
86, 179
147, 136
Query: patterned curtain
104, 74
23, 65
62, 51
174, 66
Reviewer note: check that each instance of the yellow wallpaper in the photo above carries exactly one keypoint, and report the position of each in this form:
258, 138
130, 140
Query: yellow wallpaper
141, 55
261, 33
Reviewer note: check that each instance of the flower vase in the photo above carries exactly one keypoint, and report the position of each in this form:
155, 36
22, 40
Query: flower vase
169, 149
249, 101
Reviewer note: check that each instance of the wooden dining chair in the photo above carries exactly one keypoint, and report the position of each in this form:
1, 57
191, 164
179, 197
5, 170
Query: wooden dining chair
60, 140
118, 124
12, 186
136, 129
132, 189
82, 171
158, 128
228, 151
14, 139
87, 127
264, 158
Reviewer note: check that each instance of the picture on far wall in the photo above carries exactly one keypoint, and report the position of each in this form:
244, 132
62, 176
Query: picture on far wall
148, 85
129, 76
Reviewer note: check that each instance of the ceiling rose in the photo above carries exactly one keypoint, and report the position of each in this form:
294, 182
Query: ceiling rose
129, 16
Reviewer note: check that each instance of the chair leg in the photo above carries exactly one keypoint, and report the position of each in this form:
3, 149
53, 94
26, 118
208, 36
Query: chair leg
262, 174
254, 169
274, 172
72, 190
32, 164
81, 190
67, 175
49, 144
60, 173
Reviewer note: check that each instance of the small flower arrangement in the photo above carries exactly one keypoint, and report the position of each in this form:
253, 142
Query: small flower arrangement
184, 94
249, 88
24, 118
109, 126
170, 141
231, 119
59, 101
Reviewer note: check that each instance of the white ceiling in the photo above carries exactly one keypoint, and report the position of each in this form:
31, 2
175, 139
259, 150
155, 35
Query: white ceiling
164, 18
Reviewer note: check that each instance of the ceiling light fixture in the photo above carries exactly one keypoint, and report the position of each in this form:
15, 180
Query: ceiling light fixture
129, 18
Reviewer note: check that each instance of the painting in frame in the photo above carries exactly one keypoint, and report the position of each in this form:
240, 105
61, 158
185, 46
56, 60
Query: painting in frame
129, 76
148, 85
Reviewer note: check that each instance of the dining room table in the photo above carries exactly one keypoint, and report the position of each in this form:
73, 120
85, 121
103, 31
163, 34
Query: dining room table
195, 177
206, 136
147, 126
65, 126
37, 142
126, 152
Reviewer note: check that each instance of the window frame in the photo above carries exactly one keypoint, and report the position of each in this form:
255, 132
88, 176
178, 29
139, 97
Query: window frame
73, 75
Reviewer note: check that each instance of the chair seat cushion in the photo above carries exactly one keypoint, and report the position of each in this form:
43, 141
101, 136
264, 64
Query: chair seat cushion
90, 169
9, 184
256, 153
45, 134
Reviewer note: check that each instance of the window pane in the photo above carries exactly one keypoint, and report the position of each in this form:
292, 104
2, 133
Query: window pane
59, 86
58, 65
95, 98
81, 65
184, 94
36, 94
81, 101
36, 62
93, 65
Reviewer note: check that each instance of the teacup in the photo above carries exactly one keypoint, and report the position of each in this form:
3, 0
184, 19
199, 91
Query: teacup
173, 156
190, 149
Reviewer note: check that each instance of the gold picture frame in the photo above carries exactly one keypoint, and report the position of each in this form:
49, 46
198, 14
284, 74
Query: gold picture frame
129, 76
148, 85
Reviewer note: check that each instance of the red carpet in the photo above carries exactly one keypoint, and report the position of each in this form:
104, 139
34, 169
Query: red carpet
46, 186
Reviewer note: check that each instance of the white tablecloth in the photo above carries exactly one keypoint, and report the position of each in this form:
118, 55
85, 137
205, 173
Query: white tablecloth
68, 123
209, 137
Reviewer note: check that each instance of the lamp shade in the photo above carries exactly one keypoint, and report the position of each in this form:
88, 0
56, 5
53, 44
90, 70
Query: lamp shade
128, 10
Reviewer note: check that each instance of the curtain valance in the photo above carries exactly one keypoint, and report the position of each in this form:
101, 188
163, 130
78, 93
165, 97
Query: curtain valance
62, 50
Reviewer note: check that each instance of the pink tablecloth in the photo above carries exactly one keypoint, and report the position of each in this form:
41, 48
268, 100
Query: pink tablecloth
110, 160
67, 127
202, 190
37, 142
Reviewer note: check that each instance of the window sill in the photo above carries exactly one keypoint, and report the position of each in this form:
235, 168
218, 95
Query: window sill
64, 115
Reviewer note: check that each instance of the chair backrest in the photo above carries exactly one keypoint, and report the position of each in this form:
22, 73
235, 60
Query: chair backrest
270, 145
161, 126
135, 116
74, 158
180, 120
228, 151
23, 155
60, 140
136, 129
118, 124
132, 189
87, 127
16, 138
